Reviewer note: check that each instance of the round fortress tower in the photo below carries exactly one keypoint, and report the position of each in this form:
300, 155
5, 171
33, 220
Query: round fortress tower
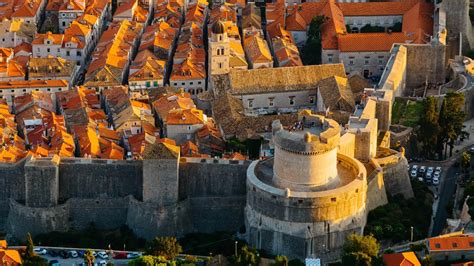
306, 156
308, 198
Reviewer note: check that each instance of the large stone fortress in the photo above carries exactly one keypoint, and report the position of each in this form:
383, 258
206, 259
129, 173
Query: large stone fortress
309, 197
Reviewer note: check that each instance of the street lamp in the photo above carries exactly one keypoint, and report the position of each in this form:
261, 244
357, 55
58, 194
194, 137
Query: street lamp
411, 233
236, 248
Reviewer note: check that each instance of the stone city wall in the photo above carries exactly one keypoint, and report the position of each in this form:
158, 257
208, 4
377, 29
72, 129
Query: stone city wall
93, 178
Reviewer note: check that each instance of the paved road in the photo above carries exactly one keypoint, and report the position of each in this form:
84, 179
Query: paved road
78, 261
447, 190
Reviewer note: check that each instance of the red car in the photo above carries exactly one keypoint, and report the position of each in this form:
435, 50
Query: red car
120, 255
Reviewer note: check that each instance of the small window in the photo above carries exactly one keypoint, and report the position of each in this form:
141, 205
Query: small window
330, 59
455, 245
333, 199
250, 103
351, 62
68, 53
437, 245
292, 100
270, 102
380, 62
471, 244
311, 99
366, 62
48, 50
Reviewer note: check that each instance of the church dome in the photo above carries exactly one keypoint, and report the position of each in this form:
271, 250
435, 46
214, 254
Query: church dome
218, 27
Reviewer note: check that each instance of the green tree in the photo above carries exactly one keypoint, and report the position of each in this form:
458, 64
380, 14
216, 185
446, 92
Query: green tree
429, 129
360, 250
369, 28
29, 257
465, 161
311, 52
451, 120
280, 261
167, 247
89, 257
29, 252
148, 261
356, 259
246, 257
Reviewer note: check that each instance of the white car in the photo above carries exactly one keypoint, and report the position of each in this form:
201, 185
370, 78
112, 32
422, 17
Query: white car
435, 181
40, 251
414, 168
102, 255
438, 169
94, 253
134, 255
73, 254
102, 262
420, 178
436, 175
422, 169
430, 170
413, 174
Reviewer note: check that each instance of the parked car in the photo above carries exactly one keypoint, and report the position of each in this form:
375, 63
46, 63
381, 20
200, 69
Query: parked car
53, 263
120, 255
414, 168
430, 169
81, 253
435, 181
63, 254
102, 255
413, 174
422, 169
53, 253
420, 178
94, 253
436, 175
40, 251
134, 255
73, 254
438, 169
471, 150
428, 178
102, 262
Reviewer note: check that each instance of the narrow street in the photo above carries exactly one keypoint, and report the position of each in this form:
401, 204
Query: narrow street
449, 177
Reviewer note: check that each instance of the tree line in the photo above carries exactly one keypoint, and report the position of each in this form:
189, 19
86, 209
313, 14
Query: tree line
439, 130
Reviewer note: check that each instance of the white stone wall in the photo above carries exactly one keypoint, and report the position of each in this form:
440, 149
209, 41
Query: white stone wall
9, 94
182, 133
312, 170
357, 22
192, 86
145, 84
280, 100
366, 63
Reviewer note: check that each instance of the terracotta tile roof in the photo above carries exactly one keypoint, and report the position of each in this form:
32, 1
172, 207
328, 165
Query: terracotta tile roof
3, 244
76, 5
367, 42
56, 39
286, 53
256, 49
188, 70
185, 117
113, 151
164, 104
228, 113
279, 79
336, 94
19, 84
109, 134
451, 243
10, 257
401, 259
376, 8
470, 263
88, 140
